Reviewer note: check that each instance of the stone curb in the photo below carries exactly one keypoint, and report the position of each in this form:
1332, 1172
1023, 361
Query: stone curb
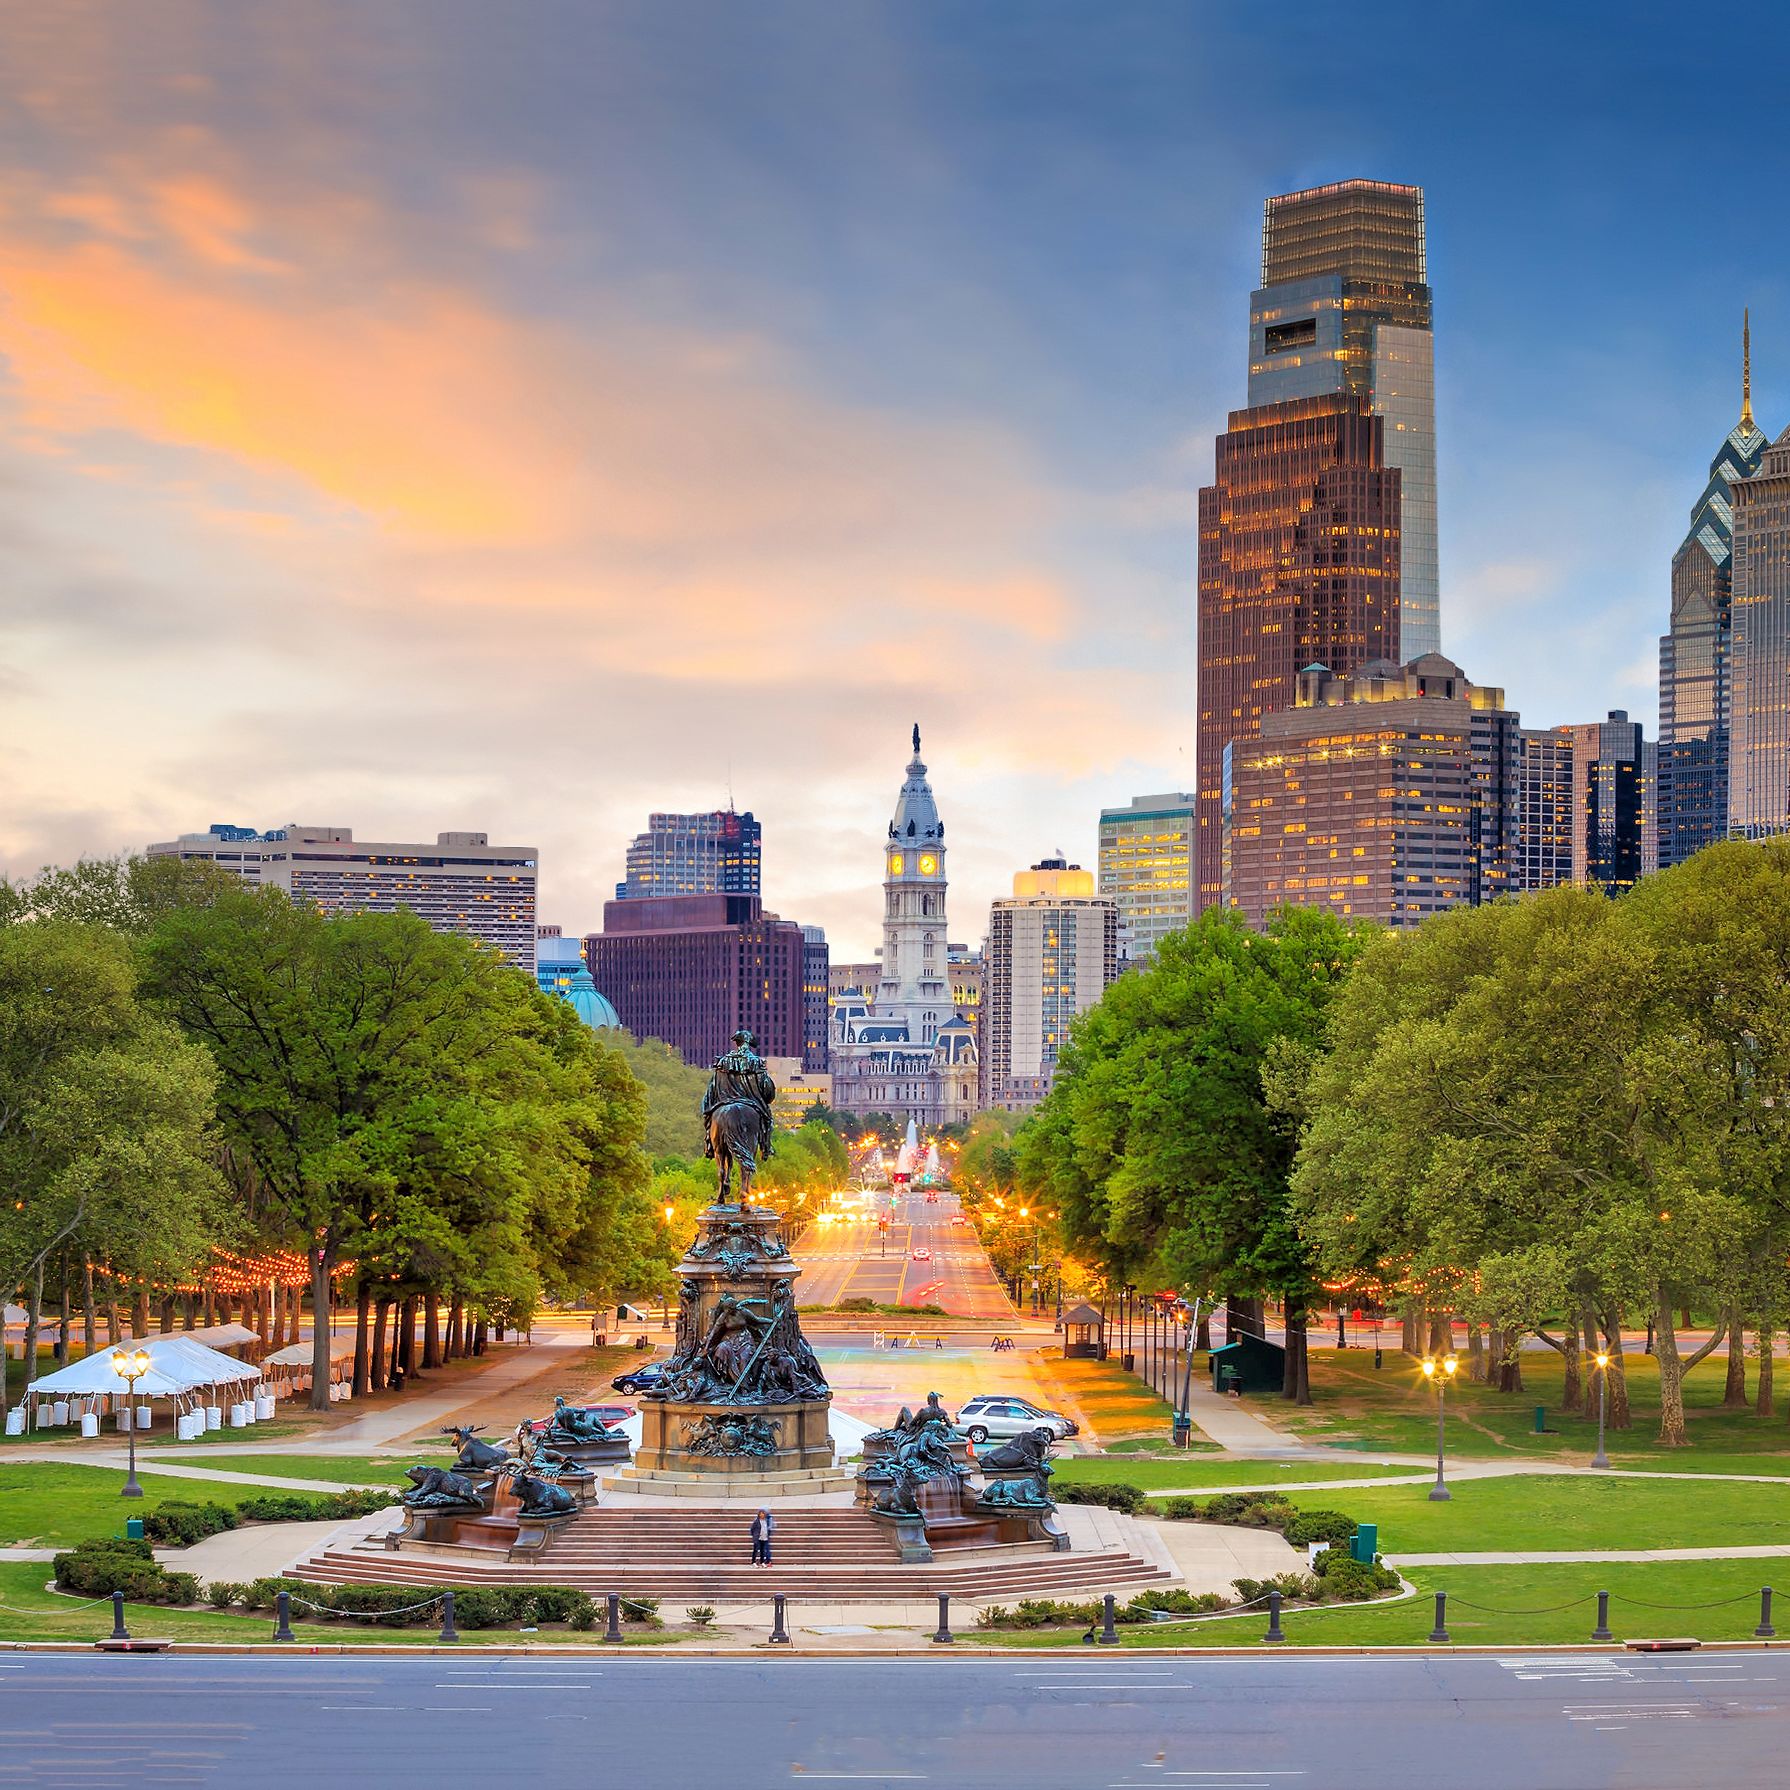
304, 1650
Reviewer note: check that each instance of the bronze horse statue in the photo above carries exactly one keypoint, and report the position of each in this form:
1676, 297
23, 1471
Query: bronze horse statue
736, 1115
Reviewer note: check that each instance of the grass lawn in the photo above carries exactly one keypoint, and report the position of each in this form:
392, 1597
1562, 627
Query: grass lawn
1393, 1410
1554, 1513
48, 1504
30, 1613
1115, 1403
1202, 1470
339, 1469
1519, 1610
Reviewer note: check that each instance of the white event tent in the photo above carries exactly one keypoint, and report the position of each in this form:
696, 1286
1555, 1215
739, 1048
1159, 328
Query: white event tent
199, 1382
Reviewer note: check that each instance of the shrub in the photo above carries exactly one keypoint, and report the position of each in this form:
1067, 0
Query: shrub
1176, 1602
641, 1609
179, 1523
1128, 1498
222, 1593
701, 1614
98, 1567
1296, 1586
389, 1606
1329, 1526
1180, 1509
857, 1303
313, 1507
1342, 1580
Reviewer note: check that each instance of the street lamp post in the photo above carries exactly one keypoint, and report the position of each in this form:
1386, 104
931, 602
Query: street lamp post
130, 1365
1600, 1459
1440, 1369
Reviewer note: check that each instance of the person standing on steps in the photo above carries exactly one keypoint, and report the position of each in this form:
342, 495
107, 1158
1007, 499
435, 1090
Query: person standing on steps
764, 1526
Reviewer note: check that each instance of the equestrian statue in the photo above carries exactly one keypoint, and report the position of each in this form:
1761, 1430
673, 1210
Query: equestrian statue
736, 1117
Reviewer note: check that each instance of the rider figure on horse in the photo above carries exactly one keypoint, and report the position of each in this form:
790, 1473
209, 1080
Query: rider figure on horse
736, 1115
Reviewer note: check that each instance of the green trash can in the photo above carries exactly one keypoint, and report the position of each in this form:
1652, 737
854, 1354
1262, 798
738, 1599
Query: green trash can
1541, 1420
133, 1528
1365, 1543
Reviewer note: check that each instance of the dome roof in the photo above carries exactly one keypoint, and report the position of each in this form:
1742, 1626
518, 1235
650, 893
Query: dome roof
594, 1008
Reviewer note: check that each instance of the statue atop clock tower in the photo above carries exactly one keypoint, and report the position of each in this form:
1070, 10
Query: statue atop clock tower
915, 984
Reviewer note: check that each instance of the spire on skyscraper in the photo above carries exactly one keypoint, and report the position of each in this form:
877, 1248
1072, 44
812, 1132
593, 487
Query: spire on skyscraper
1746, 369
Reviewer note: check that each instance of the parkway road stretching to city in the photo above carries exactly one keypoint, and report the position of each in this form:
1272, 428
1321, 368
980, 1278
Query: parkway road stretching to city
1087, 1721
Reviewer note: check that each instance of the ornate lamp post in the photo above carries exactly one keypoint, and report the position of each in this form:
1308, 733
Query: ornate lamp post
1600, 1459
1440, 1370
130, 1365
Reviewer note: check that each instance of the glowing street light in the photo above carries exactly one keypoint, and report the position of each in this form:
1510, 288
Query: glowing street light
130, 1365
1602, 1358
1440, 1369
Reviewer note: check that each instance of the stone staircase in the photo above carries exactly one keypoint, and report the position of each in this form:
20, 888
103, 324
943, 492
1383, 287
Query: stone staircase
836, 1556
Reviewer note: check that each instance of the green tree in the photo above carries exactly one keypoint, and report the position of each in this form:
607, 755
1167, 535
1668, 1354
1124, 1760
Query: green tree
105, 1112
347, 1049
674, 1093
1159, 1144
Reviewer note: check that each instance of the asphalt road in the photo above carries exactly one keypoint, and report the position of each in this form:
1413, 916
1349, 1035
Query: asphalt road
1056, 1721
855, 1261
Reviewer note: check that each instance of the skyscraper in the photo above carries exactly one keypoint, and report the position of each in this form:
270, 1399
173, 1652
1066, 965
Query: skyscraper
1146, 868
1344, 306
1386, 795
1613, 813
690, 969
1299, 564
1052, 950
694, 854
1694, 658
1759, 724
461, 883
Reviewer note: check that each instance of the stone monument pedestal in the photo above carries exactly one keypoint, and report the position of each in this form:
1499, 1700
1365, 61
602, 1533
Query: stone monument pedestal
725, 1442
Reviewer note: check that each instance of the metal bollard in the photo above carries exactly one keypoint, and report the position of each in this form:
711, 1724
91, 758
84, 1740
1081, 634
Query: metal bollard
613, 1633
1109, 1634
1439, 1634
779, 1634
1275, 1632
119, 1631
1602, 1631
282, 1616
448, 1631
944, 1635
1764, 1631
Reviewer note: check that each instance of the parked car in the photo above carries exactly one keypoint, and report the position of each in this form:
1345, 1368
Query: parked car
1002, 1415
922, 1255
640, 1379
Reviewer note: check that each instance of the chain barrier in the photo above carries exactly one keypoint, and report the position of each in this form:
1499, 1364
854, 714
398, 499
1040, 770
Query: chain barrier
370, 1615
1462, 1603
1721, 1603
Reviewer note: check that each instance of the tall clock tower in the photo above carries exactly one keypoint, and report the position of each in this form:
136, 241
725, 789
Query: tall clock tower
915, 984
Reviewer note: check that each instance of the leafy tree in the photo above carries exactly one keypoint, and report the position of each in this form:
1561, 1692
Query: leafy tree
674, 1093
1159, 1144
348, 1050
106, 1144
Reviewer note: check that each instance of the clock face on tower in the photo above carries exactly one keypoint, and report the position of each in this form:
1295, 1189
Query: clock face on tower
895, 863
929, 865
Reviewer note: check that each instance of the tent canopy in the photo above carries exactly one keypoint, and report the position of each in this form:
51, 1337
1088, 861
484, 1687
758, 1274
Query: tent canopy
209, 1336
176, 1364
298, 1354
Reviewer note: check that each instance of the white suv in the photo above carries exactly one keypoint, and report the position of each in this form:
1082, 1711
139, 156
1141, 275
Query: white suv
983, 1417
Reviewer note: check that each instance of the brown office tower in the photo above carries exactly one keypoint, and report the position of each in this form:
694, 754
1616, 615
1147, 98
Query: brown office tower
1387, 795
1299, 564
691, 968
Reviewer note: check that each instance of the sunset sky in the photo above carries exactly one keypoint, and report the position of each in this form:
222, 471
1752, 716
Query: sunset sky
524, 416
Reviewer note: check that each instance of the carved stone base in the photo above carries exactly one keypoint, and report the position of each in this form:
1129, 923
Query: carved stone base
592, 1454
672, 1438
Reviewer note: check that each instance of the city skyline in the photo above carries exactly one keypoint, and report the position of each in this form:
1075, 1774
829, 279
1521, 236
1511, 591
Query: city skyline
445, 467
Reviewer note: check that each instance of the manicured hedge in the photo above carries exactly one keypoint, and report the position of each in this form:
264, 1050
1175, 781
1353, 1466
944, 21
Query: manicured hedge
179, 1522
98, 1567
389, 1606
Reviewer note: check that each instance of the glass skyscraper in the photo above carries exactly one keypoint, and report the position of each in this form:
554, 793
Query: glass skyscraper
1344, 306
1759, 741
1146, 868
1694, 667
694, 854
